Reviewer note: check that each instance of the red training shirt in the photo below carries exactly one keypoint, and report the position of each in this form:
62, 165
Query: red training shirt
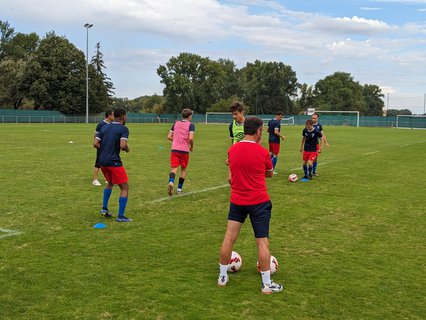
248, 162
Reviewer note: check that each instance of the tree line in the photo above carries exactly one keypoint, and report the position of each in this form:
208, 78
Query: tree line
50, 74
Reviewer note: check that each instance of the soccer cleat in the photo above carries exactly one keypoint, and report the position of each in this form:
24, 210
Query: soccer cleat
222, 281
271, 288
179, 191
275, 172
304, 179
106, 213
310, 177
96, 183
170, 189
123, 219
315, 174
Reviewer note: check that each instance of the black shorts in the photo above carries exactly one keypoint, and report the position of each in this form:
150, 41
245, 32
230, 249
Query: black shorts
98, 153
260, 215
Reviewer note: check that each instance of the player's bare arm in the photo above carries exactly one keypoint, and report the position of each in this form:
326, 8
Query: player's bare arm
96, 143
277, 133
170, 136
191, 141
303, 142
124, 146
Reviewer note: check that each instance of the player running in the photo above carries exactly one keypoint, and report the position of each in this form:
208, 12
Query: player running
274, 128
310, 139
318, 126
109, 117
182, 136
111, 139
249, 163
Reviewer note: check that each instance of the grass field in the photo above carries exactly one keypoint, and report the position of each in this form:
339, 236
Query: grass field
350, 243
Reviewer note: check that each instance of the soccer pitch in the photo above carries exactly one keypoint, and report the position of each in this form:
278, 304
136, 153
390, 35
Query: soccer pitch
350, 244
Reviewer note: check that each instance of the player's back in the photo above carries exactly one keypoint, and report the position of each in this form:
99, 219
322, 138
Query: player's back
248, 162
110, 137
181, 130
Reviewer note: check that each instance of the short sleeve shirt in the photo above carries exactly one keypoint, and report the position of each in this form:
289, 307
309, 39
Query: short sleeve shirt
248, 162
272, 125
311, 139
110, 137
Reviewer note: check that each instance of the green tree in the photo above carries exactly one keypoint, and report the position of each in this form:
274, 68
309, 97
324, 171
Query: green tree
100, 86
191, 81
269, 86
15, 51
395, 112
339, 92
232, 84
305, 99
55, 76
373, 98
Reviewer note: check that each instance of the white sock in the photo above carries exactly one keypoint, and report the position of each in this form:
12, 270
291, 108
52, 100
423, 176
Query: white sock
223, 270
266, 277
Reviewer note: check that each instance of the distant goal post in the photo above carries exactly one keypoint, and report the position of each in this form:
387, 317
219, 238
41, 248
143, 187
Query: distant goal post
337, 113
410, 121
226, 117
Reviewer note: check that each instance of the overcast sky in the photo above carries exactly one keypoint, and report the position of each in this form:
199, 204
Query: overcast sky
380, 42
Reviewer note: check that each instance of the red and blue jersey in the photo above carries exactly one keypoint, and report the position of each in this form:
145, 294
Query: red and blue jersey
248, 162
110, 137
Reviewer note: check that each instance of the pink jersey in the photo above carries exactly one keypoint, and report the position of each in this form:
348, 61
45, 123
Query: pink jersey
181, 130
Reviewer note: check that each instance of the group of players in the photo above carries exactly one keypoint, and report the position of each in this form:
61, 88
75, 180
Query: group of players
249, 164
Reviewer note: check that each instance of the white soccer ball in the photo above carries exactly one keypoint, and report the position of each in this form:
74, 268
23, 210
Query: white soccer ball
235, 263
293, 177
273, 267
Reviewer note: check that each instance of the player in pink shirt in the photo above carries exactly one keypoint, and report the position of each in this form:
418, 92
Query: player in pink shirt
182, 136
250, 164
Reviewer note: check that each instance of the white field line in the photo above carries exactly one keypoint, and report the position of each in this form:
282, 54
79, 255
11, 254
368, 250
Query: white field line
301, 168
410, 144
368, 153
189, 193
9, 233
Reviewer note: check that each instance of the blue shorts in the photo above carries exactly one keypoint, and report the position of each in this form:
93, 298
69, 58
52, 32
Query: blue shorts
260, 215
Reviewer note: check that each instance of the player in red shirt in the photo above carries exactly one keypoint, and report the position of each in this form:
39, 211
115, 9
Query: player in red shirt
249, 164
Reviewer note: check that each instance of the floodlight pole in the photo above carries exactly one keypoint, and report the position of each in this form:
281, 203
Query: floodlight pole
87, 26
424, 104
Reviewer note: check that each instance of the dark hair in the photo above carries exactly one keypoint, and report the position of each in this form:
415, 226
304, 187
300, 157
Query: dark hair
316, 114
279, 113
251, 124
108, 113
310, 122
186, 113
118, 113
237, 106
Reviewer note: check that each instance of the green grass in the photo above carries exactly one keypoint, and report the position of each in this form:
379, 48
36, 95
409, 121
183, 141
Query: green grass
350, 243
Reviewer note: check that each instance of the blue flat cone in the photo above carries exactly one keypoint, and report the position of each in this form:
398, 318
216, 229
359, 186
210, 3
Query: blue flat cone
99, 225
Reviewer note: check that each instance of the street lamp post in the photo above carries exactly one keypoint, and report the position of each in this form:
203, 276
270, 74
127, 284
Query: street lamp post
87, 26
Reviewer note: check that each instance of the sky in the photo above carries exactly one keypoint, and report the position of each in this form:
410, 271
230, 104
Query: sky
381, 42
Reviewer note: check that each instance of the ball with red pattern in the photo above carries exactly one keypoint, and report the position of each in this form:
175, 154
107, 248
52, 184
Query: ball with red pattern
235, 262
274, 265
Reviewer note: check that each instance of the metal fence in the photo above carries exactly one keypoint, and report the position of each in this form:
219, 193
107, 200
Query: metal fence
326, 120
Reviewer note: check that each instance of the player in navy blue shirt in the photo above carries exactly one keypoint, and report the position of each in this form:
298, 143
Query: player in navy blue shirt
310, 140
318, 127
109, 117
275, 137
111, 140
